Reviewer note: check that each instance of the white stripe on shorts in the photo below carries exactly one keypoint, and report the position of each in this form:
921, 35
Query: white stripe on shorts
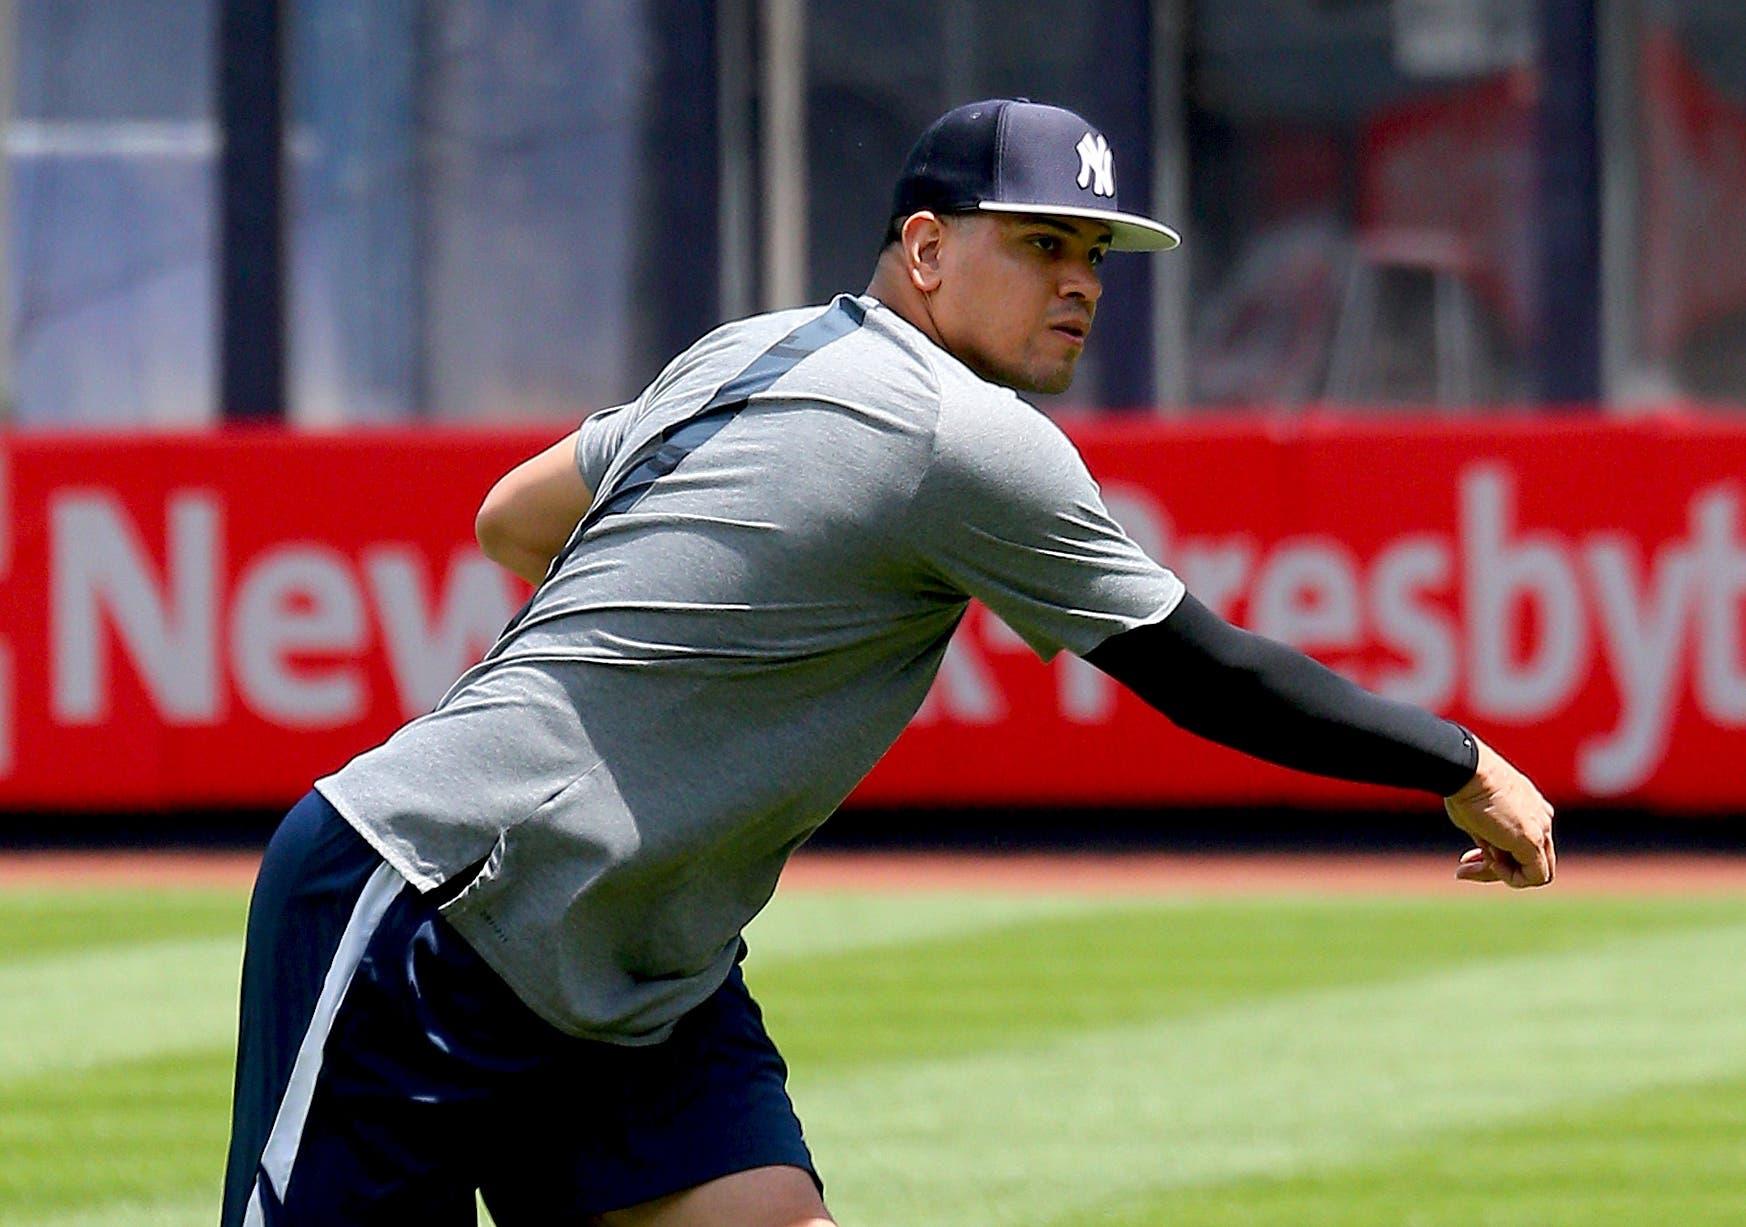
282, 1142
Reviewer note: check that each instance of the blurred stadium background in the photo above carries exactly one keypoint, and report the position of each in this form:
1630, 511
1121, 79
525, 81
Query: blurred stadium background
1445, 386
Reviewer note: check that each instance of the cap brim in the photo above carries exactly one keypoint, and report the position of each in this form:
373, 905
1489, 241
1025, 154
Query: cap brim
1128, 231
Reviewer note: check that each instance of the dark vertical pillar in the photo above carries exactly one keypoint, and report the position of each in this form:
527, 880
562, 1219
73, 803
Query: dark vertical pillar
1121, 103
678, 258
1569, 357
251, 214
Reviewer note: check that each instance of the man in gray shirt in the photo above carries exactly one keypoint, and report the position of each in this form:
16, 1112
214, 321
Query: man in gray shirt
528, 902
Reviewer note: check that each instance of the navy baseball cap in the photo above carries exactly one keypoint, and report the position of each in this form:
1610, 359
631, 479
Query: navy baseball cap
1012, 155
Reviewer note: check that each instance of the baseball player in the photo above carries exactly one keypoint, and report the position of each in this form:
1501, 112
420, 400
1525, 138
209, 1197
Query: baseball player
500, 951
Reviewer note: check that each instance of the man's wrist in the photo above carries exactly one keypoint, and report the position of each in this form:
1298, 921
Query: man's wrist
1475, 782
1483, 779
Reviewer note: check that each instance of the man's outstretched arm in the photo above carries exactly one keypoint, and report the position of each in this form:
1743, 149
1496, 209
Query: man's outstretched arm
1259, 696
529, 514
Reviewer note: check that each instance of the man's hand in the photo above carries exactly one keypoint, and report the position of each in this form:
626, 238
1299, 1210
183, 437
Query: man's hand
1509, 820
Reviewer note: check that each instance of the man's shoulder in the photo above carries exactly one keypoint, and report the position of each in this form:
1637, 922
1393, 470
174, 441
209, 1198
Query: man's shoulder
981, 414
855, 350
962, 392
749, 334
851, 351
989, 435
719, 354
742, 341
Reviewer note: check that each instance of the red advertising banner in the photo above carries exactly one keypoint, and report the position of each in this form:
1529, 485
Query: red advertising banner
217, 620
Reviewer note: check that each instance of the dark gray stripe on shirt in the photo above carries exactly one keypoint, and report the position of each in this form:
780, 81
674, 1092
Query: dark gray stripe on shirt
661, 455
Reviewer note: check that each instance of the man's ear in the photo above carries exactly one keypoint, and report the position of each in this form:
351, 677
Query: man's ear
923, 237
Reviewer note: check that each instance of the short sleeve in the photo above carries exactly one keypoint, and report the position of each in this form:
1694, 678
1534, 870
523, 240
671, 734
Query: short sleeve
1007, 513
597, 442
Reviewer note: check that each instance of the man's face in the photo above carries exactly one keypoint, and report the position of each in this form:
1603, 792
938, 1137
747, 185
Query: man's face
1017, 295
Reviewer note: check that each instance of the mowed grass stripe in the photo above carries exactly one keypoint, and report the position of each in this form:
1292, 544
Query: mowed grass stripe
1023, 983
171, 1212
1032, 1135
131, 1133
1085, 965
111, 1002
807, 924
121, 999
1674, 1156
77, 1011
38, 924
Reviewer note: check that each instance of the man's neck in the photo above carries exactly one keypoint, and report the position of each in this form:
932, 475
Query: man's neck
892, 288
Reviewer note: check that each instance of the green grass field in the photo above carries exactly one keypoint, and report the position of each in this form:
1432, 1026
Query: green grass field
1039, 1060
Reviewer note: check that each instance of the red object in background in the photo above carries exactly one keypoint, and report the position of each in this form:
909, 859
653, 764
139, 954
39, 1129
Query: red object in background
1458, 168
217, 620
1693, 266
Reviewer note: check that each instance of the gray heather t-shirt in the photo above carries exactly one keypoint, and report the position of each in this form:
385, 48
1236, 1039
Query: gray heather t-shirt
787, 525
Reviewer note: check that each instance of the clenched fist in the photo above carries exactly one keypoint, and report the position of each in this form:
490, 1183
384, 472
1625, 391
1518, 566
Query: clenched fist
1509, 820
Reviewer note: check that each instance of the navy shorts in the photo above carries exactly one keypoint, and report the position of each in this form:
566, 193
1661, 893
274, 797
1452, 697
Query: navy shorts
385, 1073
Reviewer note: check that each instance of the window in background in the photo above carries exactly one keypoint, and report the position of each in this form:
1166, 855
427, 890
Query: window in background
112, 160
503, 209
1362, 199
1689, 253
877, 74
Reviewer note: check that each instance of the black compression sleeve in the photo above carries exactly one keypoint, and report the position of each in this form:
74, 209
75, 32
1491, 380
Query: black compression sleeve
1266, 699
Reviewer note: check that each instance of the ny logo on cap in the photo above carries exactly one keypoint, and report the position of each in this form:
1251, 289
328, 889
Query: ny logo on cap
1096, 165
